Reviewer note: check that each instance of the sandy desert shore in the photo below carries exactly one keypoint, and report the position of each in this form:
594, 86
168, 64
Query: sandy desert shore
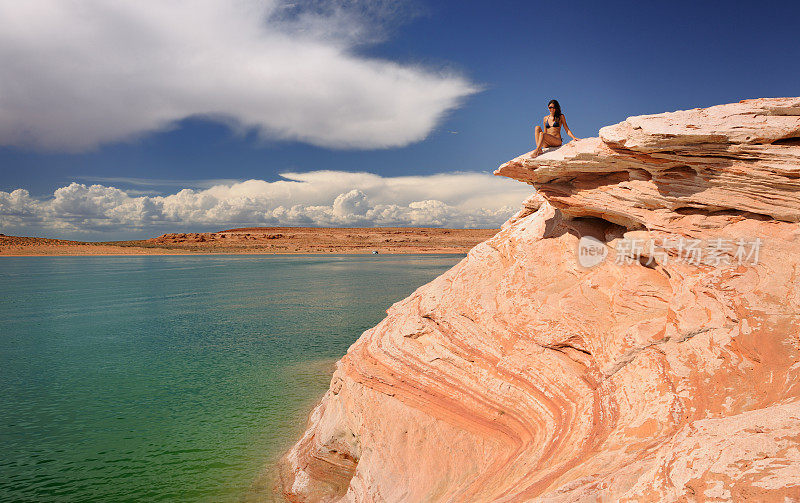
263, 240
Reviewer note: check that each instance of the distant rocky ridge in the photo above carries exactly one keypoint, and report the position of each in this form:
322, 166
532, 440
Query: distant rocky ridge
264, 240
329, 240
667, 371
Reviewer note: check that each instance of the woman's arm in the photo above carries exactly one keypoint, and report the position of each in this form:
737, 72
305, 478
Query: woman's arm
564, 123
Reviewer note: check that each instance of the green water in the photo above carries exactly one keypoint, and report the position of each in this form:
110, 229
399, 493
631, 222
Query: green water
174, 378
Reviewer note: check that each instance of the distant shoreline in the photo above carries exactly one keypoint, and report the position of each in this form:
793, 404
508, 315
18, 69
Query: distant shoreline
261, 241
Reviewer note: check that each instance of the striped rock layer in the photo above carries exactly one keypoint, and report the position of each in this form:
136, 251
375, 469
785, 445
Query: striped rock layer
589, 351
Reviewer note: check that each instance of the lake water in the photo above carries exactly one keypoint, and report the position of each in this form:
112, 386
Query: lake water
174, 378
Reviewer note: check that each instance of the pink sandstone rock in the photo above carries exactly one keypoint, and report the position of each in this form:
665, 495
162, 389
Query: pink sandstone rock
520, 375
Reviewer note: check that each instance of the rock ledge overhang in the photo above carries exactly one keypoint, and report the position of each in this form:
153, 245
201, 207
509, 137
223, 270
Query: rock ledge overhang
742, 157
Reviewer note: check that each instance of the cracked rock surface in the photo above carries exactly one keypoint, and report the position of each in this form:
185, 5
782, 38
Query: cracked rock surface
658, 374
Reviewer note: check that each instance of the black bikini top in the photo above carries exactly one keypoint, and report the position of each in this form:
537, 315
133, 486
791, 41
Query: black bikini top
555, 124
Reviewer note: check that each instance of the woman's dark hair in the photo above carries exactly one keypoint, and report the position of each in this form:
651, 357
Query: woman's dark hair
557, 113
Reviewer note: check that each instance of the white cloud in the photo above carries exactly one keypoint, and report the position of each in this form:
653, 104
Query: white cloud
78, 73
152, 182
317, 198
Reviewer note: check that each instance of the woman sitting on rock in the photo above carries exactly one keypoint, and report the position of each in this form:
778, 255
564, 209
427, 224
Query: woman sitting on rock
550, 134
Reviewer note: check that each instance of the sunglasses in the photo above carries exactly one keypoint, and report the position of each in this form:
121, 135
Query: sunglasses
551, 106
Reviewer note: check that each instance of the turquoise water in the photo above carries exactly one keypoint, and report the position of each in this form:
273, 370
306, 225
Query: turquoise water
174, 378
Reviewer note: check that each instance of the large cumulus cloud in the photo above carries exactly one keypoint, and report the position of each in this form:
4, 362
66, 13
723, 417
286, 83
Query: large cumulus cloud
317, 198
78, 73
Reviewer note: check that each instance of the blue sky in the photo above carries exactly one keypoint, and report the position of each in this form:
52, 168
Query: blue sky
477, 75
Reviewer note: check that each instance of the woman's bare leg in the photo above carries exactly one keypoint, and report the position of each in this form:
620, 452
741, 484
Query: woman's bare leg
544, 140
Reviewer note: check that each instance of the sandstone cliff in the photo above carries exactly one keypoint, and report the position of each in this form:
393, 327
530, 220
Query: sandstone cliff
661, 373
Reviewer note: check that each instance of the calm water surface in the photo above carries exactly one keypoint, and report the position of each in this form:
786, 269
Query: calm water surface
174, 378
